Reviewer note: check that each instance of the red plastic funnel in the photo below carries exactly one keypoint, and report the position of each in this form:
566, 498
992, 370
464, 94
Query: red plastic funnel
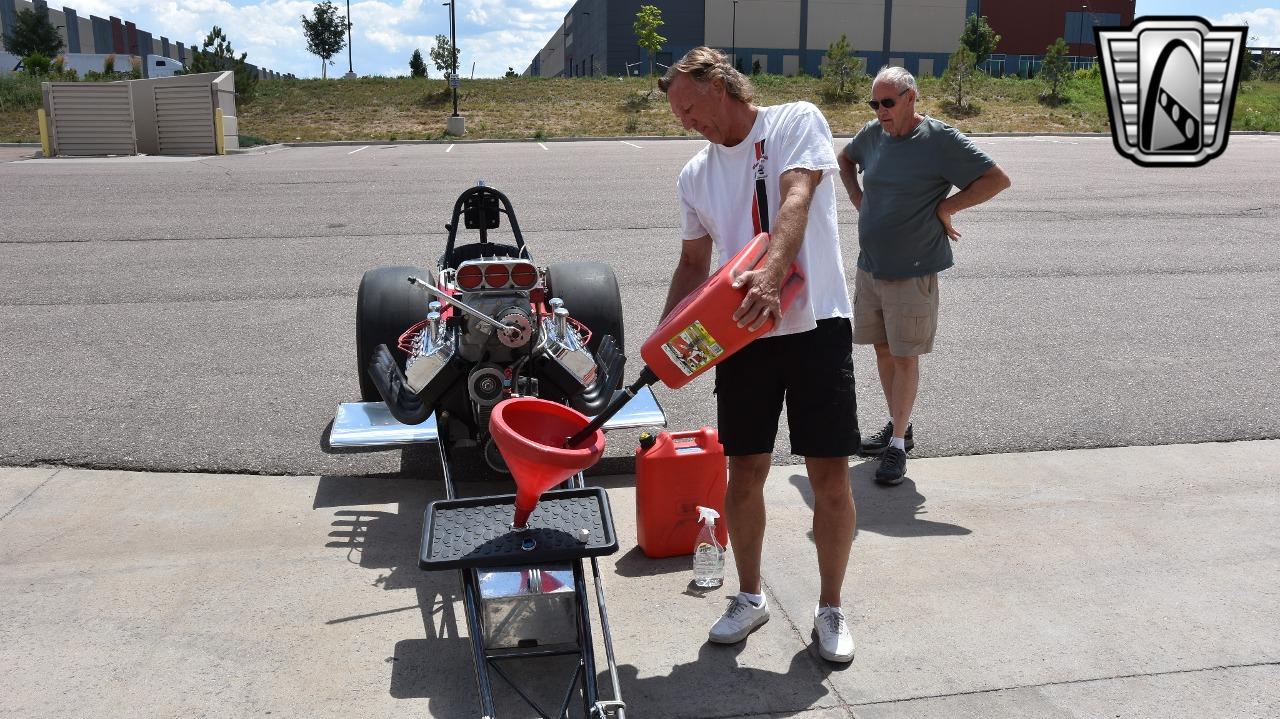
529, 433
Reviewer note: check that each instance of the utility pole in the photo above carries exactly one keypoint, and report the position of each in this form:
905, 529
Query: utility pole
734, 34
457, 126
351, 70
1083, 9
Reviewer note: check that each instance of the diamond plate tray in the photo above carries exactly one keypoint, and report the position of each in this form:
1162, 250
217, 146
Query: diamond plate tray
476, 532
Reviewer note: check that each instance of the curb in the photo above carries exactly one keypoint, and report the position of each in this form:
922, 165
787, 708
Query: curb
653, 138
257, 149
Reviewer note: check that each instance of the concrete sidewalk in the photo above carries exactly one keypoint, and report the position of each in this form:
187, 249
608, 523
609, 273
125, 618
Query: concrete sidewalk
1135, 582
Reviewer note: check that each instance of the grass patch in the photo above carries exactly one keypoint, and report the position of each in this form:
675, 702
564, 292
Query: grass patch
417, 109
252, 141
1257, 107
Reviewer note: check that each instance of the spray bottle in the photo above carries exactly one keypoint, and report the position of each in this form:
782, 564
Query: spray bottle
708, 553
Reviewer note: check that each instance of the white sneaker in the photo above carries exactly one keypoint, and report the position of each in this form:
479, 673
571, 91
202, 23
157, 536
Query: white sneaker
835, 642
740, 618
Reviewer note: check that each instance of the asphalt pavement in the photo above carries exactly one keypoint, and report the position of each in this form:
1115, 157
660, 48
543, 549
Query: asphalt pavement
179, 314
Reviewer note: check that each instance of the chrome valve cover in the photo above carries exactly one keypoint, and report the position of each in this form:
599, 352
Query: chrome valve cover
433, 348
562, 345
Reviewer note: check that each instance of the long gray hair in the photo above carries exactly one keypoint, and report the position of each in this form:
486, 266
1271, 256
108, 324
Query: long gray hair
704, 65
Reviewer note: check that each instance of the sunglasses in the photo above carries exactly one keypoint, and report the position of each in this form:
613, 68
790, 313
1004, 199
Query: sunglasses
888, 102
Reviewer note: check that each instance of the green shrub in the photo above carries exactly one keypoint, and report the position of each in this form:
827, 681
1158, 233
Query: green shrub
37, 64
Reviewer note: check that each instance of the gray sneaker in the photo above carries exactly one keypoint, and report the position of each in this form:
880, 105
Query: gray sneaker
740, 618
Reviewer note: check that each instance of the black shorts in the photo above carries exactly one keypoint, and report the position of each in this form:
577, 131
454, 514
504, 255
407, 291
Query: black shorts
812, 372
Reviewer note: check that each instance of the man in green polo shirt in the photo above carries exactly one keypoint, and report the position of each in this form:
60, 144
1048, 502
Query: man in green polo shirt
909, 163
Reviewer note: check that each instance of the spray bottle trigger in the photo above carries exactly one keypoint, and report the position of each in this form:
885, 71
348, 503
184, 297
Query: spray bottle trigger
707, 516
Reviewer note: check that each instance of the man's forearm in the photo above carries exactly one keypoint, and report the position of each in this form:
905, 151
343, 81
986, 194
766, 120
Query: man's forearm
684, 280
979, 191
849, 178
787, 233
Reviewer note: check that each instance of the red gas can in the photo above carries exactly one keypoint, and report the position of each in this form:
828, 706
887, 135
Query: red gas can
700, 332
676, 472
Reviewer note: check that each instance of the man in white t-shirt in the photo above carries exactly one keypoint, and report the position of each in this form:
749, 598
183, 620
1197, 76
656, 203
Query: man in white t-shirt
772, 169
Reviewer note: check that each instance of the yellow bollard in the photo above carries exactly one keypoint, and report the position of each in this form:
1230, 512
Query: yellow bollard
44, 132
219, 141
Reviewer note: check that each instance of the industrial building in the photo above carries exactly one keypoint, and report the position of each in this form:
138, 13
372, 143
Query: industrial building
789, 36
94, 35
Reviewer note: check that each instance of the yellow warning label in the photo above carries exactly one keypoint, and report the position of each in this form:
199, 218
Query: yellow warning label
693, 348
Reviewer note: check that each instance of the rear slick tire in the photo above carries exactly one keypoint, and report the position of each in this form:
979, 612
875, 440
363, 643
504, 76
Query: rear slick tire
590, 293
386, 306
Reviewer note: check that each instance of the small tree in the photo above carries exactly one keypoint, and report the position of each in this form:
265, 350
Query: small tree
417, 68
1247, 69
1054, 69
839, 72
755, 67
978, 38
32, 33
1268, 65
441, 57
648, 20
217, 55
959, 77
510, 73
325, 31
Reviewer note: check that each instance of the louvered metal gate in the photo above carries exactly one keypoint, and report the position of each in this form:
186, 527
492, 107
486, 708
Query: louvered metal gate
184, 120
91, 119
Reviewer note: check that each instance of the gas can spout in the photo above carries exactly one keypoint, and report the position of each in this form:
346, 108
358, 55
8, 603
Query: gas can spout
647, 377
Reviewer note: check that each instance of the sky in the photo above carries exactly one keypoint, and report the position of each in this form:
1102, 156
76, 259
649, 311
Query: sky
492, 34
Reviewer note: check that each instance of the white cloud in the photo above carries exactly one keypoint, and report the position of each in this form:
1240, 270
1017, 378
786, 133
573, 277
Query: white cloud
1264, 23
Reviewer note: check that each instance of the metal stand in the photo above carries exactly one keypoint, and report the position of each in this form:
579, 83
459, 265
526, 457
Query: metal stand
486, 659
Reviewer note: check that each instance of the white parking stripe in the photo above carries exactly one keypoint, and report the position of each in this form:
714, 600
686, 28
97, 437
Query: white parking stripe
632, 144
542, 145
449, 148
366, 147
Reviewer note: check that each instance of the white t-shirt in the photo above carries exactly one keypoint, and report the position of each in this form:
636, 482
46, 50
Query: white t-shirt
717, 194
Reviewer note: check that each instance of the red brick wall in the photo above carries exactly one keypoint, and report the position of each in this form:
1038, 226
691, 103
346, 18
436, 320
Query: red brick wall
1027, 27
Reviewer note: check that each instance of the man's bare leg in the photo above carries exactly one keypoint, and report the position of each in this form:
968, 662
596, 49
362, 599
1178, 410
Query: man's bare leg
906, 382
744, 514
834, 519
884, 367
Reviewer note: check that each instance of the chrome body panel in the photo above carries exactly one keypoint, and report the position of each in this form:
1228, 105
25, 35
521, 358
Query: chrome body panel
360, 425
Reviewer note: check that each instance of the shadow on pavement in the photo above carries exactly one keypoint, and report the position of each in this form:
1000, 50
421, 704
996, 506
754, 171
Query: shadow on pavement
890, 511
717, 685
389, 542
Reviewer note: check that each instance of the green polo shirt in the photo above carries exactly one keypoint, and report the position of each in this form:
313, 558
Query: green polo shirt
903, 180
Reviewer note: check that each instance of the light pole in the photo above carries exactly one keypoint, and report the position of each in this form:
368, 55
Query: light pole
1083, 9
733, 34
351, 70
587, 14
457, 125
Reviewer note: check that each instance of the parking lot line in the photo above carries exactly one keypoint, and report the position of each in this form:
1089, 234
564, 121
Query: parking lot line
632, 144
366, 147
449, 148
542, 145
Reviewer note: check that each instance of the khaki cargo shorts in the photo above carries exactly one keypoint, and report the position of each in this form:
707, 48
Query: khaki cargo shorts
902, 313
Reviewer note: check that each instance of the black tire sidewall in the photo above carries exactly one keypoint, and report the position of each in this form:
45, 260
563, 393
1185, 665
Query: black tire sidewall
386, 306
590, 293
